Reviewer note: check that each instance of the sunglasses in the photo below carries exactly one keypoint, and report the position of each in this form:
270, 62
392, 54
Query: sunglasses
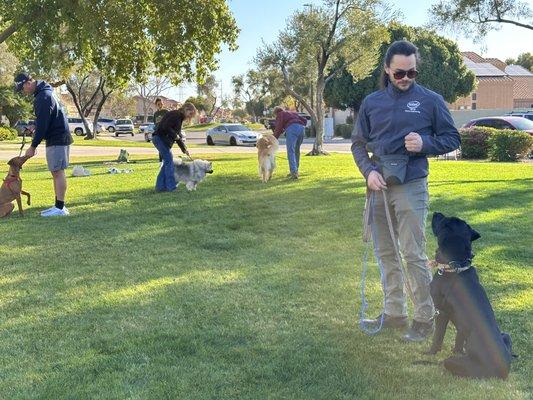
411, 74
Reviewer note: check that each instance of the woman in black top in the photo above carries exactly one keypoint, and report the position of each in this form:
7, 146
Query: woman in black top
167, 132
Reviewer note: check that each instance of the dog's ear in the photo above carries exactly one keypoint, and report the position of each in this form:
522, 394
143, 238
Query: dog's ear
436, 222
475, 234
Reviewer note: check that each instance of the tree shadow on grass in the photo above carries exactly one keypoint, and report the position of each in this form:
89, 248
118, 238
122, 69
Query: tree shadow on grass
226, 291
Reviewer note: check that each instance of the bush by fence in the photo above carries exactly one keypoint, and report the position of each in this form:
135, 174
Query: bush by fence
474, 142
344, 130
7, 133
509, 145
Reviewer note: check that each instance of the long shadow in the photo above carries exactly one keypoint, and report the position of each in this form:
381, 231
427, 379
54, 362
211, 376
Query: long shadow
235, 275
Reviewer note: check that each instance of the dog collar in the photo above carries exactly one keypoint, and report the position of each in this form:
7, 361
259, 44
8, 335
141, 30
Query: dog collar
455, 266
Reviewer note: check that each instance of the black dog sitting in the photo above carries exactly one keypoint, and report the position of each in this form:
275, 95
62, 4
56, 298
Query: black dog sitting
483, 351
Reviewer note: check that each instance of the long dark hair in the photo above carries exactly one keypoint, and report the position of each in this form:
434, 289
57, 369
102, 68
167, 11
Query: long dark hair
402, 47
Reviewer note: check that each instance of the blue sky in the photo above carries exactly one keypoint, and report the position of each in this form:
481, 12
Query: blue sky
262, 20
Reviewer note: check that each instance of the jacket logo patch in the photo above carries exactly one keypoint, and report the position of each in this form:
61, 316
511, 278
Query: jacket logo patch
412, 107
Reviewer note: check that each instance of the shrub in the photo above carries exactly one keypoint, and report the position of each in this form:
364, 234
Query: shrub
474, 142
349, 120
7, 133
509, 145
344, 130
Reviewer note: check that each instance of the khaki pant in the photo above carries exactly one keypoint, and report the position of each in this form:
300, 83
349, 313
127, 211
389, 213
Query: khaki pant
408, 205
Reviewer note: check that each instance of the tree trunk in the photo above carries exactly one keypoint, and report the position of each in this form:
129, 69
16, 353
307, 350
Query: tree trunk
100, 105
70, 89
319, 121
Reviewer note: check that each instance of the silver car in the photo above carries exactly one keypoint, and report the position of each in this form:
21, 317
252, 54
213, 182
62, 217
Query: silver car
124, 126
148, 130
232, 134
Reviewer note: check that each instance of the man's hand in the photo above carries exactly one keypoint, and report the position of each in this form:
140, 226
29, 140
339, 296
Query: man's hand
413, 142
30, 152
375, 181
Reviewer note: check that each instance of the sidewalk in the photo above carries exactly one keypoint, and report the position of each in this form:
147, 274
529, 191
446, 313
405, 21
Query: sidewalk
7, 151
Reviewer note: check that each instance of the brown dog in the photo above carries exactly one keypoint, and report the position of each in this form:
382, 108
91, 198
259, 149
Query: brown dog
267, 146
11, 189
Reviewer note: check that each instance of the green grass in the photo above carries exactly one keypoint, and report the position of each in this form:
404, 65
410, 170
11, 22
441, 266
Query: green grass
239, 290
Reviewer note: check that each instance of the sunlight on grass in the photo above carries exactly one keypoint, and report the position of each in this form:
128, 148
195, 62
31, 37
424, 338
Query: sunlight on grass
240, 289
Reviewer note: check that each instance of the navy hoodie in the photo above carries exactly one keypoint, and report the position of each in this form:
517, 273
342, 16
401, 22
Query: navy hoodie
388, 115
51, 123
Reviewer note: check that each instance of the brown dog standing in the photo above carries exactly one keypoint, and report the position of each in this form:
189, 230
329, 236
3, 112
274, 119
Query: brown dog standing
11, 188
267, 146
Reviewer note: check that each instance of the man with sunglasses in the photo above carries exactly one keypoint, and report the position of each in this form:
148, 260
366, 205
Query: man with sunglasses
407, 121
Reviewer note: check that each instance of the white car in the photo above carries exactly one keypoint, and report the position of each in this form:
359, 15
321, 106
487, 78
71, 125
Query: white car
232, 134
108, 124
123, 126
148, 130
76, 126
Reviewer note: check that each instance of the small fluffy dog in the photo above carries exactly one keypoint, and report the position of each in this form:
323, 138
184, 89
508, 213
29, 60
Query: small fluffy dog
191, 173
267, 146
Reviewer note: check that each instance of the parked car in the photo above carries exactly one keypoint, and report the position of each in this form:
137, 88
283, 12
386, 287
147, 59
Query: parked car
76, 126
232, 134
526, 114
506, 122
109, 124
148, 130
25, 126
124, 126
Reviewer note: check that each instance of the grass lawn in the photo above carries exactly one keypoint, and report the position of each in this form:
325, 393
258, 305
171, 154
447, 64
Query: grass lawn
239, 290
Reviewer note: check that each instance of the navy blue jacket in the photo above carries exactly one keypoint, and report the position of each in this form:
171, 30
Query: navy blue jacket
388, 115
51, 123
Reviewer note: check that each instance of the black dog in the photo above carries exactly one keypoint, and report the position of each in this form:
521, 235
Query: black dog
459, 297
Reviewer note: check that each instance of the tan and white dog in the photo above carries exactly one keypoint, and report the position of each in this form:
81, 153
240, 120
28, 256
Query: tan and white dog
267, 147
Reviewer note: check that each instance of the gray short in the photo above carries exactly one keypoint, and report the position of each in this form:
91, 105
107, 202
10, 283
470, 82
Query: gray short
57, 157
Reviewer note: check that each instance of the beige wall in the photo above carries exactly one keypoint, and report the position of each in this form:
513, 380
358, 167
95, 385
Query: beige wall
490, 94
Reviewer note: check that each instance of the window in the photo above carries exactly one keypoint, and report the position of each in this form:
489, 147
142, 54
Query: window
474, 106
474, 96
237, 128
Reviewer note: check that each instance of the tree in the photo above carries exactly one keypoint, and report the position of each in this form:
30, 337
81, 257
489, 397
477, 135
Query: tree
89, 93
12, 106
150, 90
441, 69
345, 33
524, 59
120, 39
208, 90
124, 39
199, 102
480, 16
121, 104
252, 89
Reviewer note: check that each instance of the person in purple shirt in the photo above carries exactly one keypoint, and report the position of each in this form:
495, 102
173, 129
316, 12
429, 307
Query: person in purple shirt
294, 127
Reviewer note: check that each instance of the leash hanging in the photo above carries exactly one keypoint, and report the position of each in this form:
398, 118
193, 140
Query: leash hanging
396, 249
23, 141
367, 237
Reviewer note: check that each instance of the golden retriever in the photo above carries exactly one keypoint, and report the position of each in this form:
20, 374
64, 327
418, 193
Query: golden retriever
267, 146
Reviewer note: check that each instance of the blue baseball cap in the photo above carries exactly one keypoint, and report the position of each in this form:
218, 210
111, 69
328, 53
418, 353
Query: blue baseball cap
20, 80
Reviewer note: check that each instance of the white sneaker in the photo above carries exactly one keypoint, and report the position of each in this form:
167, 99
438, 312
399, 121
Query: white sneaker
56, 212
47, 210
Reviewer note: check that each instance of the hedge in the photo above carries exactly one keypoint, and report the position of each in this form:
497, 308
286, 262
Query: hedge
509, 145
7, 133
